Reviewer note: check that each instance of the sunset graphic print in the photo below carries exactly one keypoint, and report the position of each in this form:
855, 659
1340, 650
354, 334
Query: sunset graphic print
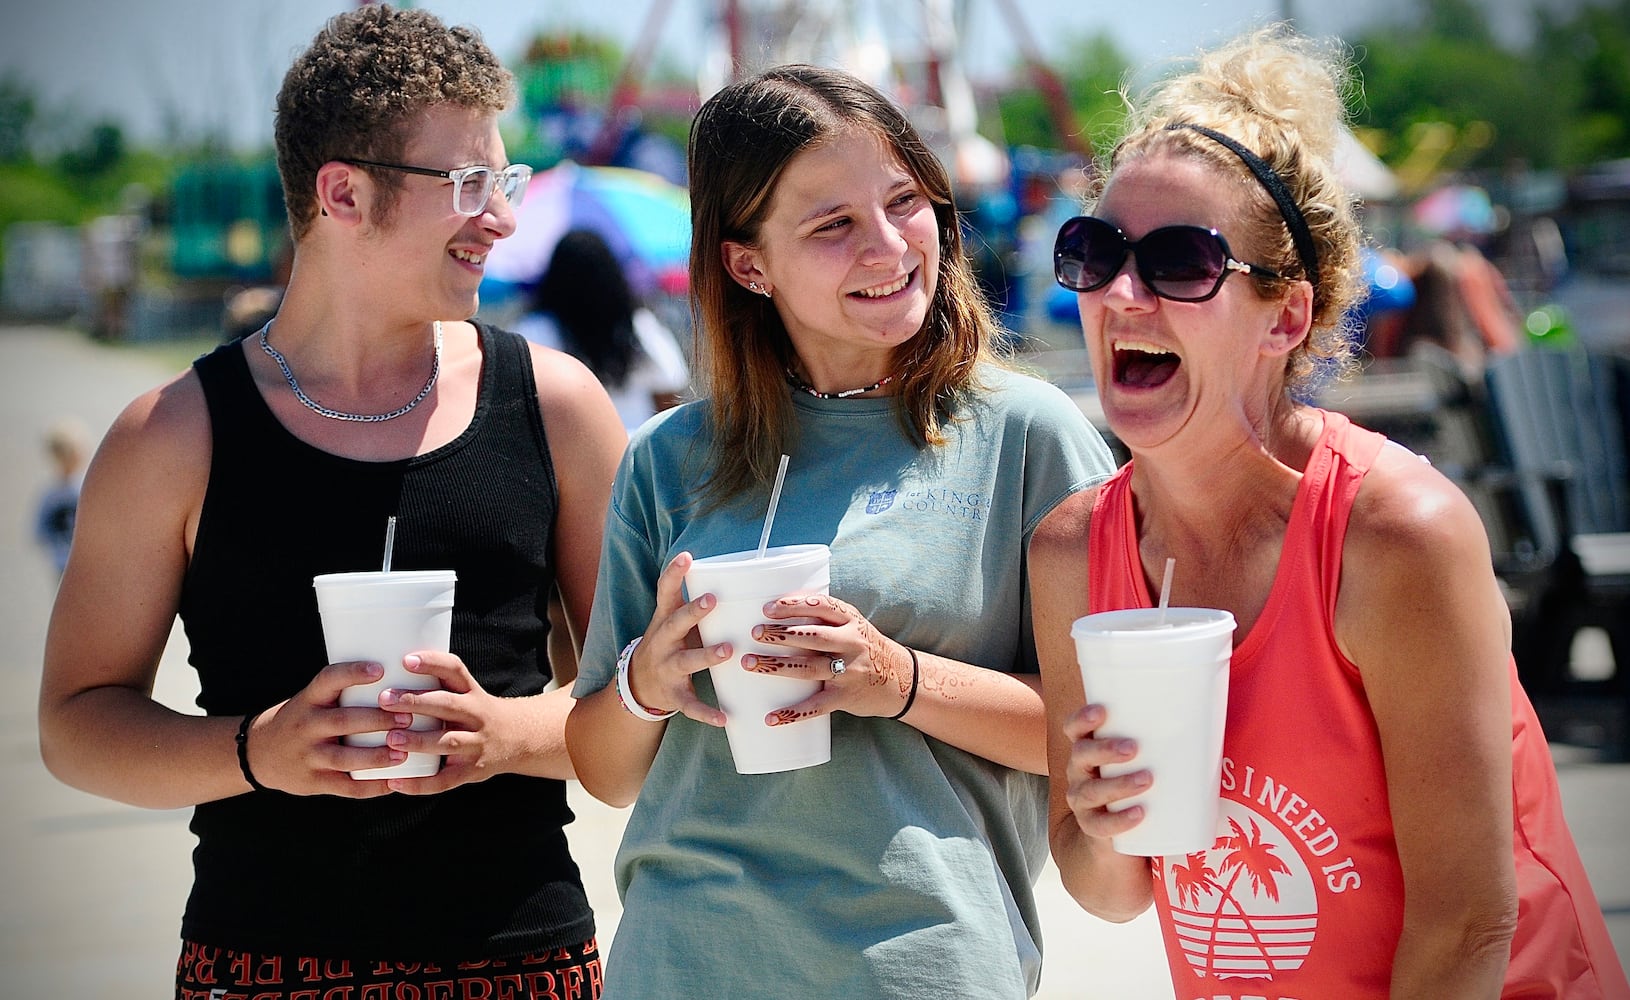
1248, 908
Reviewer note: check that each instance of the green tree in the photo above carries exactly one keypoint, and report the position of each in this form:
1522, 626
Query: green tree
1446, 68
99, 150
1562, 100
1092, 74
17, 111
1585, 56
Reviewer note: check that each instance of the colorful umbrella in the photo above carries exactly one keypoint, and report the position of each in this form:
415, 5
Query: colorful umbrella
643, 217
1456, 210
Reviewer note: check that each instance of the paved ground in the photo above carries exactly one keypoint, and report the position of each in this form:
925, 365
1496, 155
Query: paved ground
91, 891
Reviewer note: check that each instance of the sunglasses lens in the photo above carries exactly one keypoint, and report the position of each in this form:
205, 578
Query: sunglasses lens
1184, 263
1087, 254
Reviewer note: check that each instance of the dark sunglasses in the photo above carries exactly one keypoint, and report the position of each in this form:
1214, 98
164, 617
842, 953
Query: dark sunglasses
1181, 263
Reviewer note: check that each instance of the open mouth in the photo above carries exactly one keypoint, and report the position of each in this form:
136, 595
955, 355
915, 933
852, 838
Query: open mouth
469, 257
1143, 366
884, 291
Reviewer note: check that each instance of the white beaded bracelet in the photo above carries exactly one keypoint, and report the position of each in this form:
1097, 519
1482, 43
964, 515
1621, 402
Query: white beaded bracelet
625, 694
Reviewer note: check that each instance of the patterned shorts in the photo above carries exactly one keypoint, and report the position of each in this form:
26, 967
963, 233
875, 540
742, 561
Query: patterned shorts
204, 972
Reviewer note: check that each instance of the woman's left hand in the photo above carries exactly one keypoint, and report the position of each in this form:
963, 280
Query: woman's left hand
865, 672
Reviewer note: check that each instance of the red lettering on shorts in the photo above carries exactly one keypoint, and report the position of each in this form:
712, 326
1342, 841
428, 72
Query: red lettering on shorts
203, 967
509, 987
541, 986
268, 971
336, 968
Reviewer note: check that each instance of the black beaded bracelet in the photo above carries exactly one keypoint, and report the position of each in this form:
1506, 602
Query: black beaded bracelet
912, 697
243, 753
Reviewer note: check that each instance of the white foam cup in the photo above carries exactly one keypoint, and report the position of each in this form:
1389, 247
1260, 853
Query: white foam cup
1165, 686
743, 584
383, 617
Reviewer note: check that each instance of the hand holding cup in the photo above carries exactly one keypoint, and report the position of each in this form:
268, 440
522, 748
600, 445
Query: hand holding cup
297, 746
812, 633
383, 616
1160, 675
743, 583
670, 652
1090, 795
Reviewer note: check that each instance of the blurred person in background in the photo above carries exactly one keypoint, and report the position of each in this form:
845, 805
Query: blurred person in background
67, 445
584, 305
111, 254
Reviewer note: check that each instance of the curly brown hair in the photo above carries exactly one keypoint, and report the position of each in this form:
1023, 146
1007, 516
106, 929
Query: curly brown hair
741, 142
365, 74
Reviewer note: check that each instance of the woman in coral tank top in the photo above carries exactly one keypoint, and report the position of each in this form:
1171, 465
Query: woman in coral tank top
1390, 824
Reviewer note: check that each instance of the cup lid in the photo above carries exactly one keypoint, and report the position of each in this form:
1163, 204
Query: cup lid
401, 577
1141, 621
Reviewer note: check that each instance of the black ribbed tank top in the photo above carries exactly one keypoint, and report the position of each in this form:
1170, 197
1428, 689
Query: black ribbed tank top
479, 871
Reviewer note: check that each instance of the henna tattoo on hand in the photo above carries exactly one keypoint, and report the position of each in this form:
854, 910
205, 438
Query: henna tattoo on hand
781, 632
885, 669
763, 664
786, 715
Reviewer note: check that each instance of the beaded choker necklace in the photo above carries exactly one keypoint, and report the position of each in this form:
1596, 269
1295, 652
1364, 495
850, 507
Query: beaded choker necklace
798, 383
364, 418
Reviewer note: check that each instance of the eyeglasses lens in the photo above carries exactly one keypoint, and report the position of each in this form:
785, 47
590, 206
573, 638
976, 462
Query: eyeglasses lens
475, 185
1182, 263
472, 189
514, 181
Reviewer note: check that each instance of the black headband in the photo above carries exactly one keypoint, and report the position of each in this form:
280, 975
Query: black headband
1275, 185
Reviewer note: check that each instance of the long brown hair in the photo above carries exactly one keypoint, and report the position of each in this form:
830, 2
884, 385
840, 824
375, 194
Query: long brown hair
741, 142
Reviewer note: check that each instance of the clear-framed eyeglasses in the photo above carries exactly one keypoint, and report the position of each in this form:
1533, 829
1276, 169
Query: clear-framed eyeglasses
472, 186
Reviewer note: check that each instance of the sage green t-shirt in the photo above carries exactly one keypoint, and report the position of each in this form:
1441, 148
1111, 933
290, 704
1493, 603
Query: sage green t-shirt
904, 866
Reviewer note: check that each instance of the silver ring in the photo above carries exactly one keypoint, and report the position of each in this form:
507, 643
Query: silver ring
838, 666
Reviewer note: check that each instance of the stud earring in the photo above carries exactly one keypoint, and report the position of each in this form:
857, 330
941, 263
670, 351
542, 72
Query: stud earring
757, 289
752, 286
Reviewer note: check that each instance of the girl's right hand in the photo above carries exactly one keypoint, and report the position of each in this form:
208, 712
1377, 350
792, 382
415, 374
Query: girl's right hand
659, 675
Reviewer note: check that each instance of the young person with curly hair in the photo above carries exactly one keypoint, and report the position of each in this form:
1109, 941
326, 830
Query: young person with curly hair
219, 496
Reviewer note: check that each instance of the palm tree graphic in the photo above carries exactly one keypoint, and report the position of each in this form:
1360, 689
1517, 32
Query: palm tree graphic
1247, 855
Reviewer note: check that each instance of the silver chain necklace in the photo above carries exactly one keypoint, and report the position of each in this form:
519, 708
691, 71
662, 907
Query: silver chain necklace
362, 418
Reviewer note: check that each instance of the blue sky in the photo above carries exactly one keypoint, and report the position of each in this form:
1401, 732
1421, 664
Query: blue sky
214, 65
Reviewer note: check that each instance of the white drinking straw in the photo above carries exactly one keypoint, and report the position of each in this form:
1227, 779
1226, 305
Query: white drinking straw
1165, 590
390, 540
769, 515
